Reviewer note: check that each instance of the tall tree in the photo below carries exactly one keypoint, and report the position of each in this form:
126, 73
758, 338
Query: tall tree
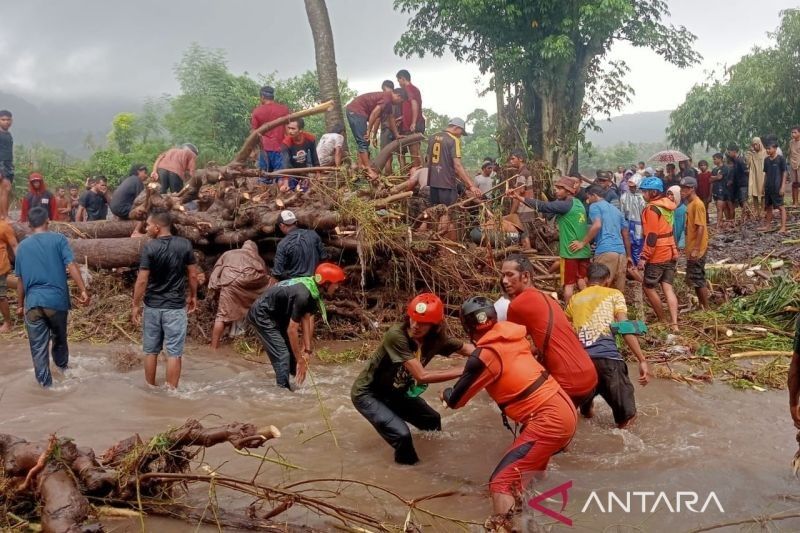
545, 56
320, 23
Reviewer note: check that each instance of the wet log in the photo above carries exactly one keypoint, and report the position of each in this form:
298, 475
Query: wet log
395, 146
99, 229
108, 253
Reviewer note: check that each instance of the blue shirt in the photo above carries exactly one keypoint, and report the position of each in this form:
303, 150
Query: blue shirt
609, 239
41, 265
679, 226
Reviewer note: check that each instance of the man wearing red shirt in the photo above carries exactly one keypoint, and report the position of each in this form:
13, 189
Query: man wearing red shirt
413, 121
270, 158
364, 114
559, 349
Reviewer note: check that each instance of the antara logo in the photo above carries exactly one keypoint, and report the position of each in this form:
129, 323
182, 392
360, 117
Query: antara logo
651, 502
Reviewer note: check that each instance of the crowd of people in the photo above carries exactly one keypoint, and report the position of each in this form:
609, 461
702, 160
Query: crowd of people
541, 361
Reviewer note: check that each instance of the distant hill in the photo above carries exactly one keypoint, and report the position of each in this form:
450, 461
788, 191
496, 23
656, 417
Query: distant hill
636, 128
64, 125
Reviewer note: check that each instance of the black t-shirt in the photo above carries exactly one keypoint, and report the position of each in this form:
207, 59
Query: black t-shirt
285, 301
774, 169
6, 154
123, 197
740, 177
166, 258
302, 154
95, 204
298, 254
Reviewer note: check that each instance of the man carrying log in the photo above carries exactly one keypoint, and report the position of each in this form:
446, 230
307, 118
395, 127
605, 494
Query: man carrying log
238, 278
286, 309
7, 240
174, 166
269, 158
364, 114
167, 263
524, 391
42, 262
387, 392
558, 349
299, 252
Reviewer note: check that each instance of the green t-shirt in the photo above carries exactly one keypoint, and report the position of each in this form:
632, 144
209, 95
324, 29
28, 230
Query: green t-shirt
573, 227
385, 374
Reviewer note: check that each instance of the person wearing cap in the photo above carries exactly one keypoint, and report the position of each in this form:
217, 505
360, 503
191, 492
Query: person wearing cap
483, 180
364, 114
269, 158
298, 253
570, 215
632, 204
161, 301
174, 166
123, 198
659, 255
524, 391
283, 319
388, 391
445, 170
38, 196
610, 191
94, 202
610, 235
696, 240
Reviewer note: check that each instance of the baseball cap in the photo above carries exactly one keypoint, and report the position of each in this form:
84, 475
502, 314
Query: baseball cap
570, 184
689, 181
35, 176
287, 217
458, 121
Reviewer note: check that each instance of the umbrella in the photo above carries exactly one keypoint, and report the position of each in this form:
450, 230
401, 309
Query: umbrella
669, 156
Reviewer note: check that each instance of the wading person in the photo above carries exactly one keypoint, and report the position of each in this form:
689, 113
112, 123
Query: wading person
269, 158
775, 177
238, 278
94, 202
387, 392
593, 311
123, 198
502, 364
42, 262
38, 196
166, 267
659, 255
696, 240
557, 346
174, 166
299, 253
7, 241
6, 161
283, 310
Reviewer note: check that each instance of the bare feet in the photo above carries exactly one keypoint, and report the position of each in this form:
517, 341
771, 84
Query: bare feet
675, 328
5, 328
627, 423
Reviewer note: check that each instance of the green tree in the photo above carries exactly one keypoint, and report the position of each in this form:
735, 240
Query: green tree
544, 55
755, 97
123, 132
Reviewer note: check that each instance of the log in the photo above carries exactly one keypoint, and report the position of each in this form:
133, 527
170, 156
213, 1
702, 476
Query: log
108, 253
255, 136
99, 229
395, 146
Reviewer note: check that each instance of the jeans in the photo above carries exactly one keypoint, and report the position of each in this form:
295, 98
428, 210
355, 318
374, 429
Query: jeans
276, 343
44, 325
359, 125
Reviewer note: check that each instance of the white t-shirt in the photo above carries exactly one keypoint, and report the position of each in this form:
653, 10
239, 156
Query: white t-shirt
501, 307
484, 183
326, 148
422, 176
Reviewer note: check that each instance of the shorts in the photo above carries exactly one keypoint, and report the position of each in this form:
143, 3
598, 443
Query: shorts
617, 264
164, 328
270, 161
742, 196
696, 272
615, 387
772, 198
655, 273
443, 196
722, 196
573, 269
4, 287
7, 170
794, 174
358, 125
548, 431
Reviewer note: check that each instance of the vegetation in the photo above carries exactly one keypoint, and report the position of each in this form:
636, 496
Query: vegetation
755, 97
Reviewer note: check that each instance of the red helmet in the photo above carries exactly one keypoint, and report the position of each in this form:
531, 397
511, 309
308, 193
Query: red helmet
426, 308
329, 272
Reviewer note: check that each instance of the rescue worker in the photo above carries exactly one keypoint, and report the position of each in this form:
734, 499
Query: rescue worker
503, 364
558, 347
660, 254
387, 392
280, 313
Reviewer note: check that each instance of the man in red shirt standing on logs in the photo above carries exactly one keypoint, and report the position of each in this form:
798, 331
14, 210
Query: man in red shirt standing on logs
413, 121
270, 159
364, 114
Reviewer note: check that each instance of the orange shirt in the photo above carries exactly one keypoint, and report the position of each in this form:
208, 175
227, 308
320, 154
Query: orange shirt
659, 243
562, 353
6, 239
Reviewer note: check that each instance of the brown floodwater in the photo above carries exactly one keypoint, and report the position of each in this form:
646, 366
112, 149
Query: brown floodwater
712, 438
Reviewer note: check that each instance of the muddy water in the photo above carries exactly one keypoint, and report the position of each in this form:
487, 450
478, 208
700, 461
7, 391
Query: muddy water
737, 444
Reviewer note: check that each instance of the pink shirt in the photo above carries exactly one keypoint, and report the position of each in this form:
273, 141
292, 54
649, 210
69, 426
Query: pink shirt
179, 161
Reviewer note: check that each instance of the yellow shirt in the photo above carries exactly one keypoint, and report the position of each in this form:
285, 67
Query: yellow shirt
696, 216
6, 238
592, 311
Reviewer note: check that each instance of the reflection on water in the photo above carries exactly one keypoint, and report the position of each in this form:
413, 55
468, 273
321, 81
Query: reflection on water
737, 444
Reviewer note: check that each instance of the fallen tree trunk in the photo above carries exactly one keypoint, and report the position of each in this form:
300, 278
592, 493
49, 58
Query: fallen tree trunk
99, 229
394, 147
108, 253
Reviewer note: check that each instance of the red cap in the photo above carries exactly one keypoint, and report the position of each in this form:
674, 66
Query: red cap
35, 176
426, 308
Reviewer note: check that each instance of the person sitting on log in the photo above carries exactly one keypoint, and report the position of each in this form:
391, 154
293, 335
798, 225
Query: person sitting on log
524, 391
299, 150
298, 253
166, 267
94, 202
283, 319
364, 114
238, 278
387, 392
38, 196
123, 198
330, 148
174, 166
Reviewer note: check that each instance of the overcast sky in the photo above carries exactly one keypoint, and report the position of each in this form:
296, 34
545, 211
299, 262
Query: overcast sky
105, 48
